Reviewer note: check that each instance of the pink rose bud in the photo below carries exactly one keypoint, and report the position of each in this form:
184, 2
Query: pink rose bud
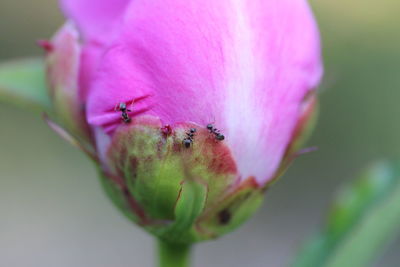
190, 108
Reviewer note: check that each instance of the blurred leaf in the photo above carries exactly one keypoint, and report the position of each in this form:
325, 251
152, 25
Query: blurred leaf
22, 83
363, 219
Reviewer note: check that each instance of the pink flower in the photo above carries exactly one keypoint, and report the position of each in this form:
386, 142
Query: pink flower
248, 67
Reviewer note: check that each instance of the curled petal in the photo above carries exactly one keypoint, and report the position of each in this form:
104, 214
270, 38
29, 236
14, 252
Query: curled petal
98, 23
63, 66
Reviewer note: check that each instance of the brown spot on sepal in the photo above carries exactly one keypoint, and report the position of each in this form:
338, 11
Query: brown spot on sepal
230, 210
224, 216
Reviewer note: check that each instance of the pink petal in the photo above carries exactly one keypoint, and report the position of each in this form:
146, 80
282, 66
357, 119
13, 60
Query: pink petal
98, 22
244, 65
96, 19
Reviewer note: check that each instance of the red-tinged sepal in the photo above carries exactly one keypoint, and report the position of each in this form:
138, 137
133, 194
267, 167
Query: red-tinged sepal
301, 133
179, 188
231, 210
305, 124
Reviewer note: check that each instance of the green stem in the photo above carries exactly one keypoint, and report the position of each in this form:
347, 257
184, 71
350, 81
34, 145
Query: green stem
173, 255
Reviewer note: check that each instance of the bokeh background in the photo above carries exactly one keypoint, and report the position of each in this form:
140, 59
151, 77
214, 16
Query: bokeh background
54, 213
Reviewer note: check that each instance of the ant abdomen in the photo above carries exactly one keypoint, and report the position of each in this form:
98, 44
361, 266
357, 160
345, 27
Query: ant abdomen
216, 132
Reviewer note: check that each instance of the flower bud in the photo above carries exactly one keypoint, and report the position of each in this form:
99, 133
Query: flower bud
191, 109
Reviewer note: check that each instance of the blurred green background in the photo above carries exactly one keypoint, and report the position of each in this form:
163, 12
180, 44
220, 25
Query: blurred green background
54, 213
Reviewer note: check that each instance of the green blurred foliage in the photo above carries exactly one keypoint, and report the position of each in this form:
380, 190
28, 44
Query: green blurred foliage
364, 218
22, 82
360, 100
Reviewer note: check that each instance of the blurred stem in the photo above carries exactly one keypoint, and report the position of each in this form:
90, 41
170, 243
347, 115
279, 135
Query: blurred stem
173, 255
363, 219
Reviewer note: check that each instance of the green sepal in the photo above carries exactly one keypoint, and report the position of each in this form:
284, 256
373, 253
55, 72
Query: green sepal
23, 83
152, 174
154, 166
189, 206
180, 191
363, 219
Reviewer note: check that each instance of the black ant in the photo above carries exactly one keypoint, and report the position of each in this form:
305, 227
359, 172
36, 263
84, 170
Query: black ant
188, 141
215, 131
124, 115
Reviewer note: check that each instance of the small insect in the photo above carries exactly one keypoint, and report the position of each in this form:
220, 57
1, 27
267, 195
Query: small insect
188, 141
215, 131
124, 112
166, 130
